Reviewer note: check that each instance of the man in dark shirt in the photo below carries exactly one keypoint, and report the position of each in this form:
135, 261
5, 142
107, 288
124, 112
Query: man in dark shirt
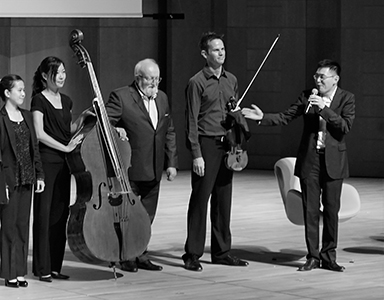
207, 94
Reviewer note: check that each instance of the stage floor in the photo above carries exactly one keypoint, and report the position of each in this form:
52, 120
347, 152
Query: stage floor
261, 234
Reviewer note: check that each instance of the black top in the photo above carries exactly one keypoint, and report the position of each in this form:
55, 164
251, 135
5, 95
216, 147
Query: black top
24, 168
207, 97
57, 124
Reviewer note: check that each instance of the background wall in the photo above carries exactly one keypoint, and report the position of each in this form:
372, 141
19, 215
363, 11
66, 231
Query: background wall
349, 31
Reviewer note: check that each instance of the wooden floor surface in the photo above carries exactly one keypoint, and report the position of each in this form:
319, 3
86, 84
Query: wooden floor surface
261, 234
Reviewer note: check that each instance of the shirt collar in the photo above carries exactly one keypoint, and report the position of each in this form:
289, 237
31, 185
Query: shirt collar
332, 94
208, 73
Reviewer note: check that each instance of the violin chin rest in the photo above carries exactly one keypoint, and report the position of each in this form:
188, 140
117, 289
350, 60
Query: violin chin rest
237, 168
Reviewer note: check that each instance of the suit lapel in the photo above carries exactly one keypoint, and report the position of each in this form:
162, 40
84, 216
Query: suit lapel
160, 110
336, 99
139, 101
11, 133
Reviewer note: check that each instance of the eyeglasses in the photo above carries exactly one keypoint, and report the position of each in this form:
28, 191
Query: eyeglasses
322, 76
156, 80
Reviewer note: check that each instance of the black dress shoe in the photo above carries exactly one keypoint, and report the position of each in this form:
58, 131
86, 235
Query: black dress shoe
128, 265
191, 262
23, 283
310, 264
231, 261
11, 284
59, 276
333, 266
45, 278
148, 265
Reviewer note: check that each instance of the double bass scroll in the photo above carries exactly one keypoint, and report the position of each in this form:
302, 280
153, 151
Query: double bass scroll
108, 222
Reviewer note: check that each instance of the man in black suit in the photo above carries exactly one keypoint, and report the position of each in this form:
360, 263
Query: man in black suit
143, 111
322, 163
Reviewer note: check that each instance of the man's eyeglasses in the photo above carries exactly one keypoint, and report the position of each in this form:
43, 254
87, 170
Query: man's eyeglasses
156, 80
322, 76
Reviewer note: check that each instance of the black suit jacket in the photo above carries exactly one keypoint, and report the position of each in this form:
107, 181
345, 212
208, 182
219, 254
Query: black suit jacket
339, 117
151, 149
8, 147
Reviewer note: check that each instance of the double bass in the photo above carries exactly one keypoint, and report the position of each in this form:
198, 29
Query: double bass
108, 222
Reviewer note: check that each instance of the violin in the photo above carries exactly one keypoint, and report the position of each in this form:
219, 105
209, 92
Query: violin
108, 222
236, 158
237, 132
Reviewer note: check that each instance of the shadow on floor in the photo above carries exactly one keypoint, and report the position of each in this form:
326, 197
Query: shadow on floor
287, 257
365, 250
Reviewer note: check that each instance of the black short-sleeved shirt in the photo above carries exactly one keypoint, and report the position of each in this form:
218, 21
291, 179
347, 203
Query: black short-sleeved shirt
57, 124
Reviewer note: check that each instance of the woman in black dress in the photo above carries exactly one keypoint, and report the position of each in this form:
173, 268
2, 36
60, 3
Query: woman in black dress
52, 120
22, 169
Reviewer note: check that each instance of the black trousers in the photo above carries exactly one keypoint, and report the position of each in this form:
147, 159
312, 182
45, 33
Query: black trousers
50, 215
319, 183
215, 185
149, 193
15, 232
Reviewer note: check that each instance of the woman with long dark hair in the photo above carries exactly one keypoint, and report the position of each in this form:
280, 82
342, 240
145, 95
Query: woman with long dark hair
53, 124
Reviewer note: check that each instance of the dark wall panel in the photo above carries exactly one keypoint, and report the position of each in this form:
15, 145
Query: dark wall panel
185, 58
362, 57
120, 49
4, 46
347, 30
280, 79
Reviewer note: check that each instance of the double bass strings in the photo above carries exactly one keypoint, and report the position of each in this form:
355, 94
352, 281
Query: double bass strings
109, 138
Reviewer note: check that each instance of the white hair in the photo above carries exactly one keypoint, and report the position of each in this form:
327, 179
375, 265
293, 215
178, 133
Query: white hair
139, 65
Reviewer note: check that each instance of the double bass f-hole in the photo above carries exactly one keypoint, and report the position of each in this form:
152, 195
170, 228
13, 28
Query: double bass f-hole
95, 206
114, 199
